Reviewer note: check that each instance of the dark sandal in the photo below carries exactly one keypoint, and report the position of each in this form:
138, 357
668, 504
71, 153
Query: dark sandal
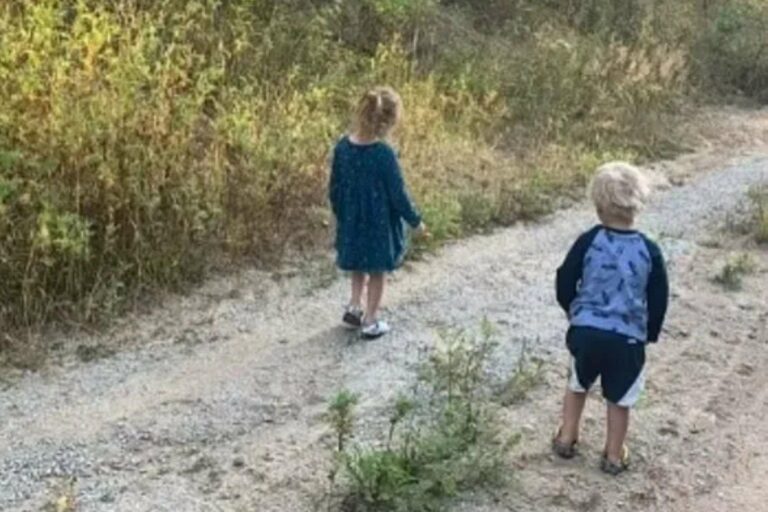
353, 318
563, 450
612, 468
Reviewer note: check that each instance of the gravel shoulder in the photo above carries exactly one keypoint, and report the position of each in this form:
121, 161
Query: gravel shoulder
214, 401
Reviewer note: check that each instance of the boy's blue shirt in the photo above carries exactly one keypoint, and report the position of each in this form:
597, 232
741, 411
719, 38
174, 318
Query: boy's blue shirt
616, 281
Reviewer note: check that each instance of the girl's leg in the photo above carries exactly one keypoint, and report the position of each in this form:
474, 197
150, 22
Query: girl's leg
573, 406
375, 292
618, 423
358, 283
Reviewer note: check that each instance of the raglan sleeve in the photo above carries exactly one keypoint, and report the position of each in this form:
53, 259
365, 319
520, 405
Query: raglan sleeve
657, 293
570, 272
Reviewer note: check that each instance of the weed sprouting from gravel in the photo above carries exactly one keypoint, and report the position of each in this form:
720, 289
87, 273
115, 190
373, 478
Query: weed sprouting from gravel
442, 437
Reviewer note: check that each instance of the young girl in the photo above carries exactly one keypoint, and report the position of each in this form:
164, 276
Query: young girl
370, 202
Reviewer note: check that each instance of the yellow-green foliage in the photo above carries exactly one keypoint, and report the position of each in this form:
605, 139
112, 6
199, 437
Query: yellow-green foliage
140, 141
732, 52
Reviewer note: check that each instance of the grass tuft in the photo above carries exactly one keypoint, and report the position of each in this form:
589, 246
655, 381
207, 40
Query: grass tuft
759, 222
731, 275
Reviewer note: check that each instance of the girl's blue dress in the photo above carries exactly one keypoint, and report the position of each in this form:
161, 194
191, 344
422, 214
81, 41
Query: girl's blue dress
370, 202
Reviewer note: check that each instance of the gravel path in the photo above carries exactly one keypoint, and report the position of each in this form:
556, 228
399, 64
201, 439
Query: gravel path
214, 402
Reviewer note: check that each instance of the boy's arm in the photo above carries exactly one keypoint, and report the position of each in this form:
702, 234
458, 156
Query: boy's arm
398, 195
570, 272
658, 294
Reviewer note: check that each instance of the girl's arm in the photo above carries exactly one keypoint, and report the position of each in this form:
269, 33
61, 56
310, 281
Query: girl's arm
334, 189
398, 195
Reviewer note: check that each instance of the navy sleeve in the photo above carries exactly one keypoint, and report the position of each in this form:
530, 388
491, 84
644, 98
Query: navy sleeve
334, 188
398, 195
658, 292
570, 272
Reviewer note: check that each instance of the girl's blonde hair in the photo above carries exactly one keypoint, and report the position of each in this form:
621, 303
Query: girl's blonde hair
378, 111
619, 191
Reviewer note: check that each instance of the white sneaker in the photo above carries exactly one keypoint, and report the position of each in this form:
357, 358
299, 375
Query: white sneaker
375, 330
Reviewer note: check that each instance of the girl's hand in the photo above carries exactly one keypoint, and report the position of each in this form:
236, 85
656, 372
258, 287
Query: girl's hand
421, 231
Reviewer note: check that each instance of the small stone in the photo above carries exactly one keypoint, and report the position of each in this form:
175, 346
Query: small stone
239, 462
702, 423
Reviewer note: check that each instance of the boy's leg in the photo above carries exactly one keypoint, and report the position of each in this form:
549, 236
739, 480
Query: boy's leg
618, 424
581, 376
623, 383
358, 283
375, 293
573, 406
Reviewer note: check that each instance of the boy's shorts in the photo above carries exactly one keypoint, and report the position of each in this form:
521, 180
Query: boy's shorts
617, 359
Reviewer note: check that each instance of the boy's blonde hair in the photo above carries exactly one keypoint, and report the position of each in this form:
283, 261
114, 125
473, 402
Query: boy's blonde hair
619, 191
378, 111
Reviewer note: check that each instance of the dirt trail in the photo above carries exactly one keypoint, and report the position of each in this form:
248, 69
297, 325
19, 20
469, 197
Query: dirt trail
214, 401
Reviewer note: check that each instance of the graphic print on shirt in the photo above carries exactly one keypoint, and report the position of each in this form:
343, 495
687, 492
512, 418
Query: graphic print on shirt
611, 295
